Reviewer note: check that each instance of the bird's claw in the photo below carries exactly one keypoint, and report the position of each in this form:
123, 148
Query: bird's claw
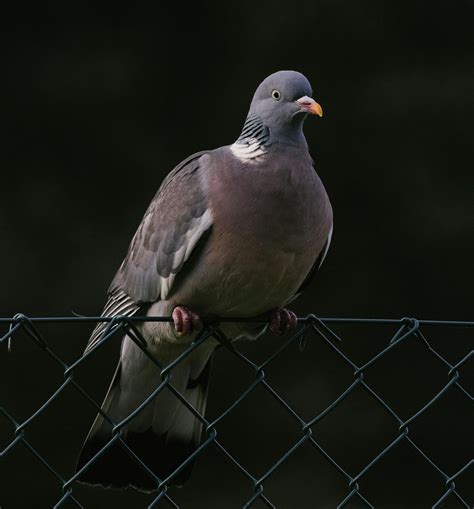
282, 320
185, 320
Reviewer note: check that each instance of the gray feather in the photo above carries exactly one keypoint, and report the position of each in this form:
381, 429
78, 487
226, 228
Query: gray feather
175, 221
119, 303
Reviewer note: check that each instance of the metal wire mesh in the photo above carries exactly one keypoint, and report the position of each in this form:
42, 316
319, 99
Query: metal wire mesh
318, 329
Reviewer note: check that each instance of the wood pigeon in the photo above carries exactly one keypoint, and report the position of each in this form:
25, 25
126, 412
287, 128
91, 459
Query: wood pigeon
238, 231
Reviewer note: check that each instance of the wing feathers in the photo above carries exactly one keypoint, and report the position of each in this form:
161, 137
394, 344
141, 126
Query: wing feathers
119, 303
175, 221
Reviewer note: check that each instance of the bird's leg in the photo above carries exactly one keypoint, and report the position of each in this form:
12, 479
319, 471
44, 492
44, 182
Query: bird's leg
282, 320
185, 320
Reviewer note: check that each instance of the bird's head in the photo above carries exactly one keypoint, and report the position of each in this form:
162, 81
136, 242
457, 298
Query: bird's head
282, 101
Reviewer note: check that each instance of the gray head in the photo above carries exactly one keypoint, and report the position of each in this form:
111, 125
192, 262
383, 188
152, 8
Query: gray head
277, 112
282, 101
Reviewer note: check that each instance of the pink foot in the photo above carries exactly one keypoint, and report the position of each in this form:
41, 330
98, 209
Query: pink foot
282, 320
184, 320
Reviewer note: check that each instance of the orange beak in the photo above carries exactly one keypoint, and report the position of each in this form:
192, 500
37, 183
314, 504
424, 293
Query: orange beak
310, 105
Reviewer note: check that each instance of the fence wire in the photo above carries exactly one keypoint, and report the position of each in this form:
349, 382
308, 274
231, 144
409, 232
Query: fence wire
409, 329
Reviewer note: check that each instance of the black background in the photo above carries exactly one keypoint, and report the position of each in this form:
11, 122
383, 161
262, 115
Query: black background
101, 104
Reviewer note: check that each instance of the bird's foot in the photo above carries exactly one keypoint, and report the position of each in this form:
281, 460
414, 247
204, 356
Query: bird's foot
282, 320
185, 320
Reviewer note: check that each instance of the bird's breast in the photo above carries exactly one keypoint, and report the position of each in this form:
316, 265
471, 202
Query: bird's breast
268, 229
278, 203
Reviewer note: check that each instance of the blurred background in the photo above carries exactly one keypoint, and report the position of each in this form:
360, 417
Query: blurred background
102, 104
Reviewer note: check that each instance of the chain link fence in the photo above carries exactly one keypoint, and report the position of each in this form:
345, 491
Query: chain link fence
310, 328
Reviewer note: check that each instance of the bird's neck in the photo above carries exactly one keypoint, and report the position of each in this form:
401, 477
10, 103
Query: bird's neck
257, 137
254, 128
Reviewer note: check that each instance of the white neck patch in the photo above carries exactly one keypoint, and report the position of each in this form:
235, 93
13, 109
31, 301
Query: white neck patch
248, 152
253, 140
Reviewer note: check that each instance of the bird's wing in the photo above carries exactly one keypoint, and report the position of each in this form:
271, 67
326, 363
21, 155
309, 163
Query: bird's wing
118, 303
316, 266
174, 223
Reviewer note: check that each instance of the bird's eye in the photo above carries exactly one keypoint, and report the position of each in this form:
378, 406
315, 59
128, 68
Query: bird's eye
276, 95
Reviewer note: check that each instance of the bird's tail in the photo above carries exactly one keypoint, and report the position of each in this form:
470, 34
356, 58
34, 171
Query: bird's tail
163, 435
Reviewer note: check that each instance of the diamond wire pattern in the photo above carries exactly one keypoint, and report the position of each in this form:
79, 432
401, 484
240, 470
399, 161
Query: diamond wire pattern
409, 329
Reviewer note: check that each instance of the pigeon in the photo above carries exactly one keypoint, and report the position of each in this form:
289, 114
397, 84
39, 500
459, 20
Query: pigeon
239, 231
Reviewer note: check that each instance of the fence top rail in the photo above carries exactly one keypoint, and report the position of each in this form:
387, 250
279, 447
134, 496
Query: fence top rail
302, 319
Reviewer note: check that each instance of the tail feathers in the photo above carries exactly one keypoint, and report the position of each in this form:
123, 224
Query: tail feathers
185, 427
116, 468
161, 453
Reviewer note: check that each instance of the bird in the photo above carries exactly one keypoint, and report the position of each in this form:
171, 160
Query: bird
237, 231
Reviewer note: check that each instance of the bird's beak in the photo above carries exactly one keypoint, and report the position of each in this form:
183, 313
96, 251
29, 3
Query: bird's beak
309, 105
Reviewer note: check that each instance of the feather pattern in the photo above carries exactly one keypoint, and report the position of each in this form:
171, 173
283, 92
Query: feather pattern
174, 223
253, 140
119, 303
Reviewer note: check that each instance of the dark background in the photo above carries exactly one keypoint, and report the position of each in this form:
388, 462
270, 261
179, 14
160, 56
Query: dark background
101, 104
